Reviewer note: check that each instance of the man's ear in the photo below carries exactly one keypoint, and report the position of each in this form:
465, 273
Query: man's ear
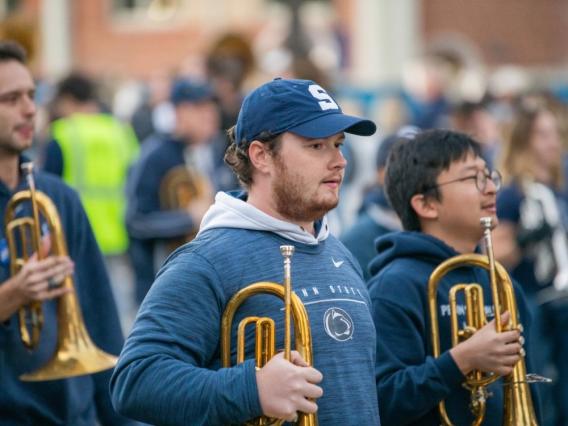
424, 206
259, 157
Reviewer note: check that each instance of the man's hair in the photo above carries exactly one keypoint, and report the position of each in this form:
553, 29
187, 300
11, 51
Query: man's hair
238, 159
12, 51
78, 87
415, 164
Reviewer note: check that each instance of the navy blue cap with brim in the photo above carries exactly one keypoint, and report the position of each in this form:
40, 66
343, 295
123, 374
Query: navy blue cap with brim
298, 106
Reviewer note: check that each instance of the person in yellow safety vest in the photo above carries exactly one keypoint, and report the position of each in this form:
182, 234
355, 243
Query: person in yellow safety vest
92, 151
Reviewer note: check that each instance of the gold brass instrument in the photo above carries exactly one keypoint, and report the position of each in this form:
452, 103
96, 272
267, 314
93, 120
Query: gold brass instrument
518, 409
178, 189
265, 341
75, 354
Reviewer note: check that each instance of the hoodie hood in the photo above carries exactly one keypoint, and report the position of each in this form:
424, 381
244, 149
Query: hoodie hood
416, 245
231, 210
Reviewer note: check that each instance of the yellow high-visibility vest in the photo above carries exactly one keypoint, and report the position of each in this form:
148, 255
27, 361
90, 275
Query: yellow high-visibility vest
97, 150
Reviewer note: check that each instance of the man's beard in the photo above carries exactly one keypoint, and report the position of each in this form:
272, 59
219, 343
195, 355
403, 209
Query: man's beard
10, 149
292, 202
9, 145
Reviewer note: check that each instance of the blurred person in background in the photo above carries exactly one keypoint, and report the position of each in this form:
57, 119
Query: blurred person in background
424, 93
172, 184
475, 119
91, 151
531, 242
154, 114
230, 61
375, 217
82, 400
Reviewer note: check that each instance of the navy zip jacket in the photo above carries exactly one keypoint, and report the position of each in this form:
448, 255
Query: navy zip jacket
76, 401
410, 382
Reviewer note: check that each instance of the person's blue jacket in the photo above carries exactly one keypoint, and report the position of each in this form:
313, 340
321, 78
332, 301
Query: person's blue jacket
169, 371
80, 400
375, 219
410, 382
149, 224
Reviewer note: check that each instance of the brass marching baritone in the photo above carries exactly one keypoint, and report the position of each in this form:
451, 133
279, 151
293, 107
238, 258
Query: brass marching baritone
75, 354
265, 330
518, 405
178, 189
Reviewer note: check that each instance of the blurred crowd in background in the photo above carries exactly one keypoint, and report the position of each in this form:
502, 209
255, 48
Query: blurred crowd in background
140, 212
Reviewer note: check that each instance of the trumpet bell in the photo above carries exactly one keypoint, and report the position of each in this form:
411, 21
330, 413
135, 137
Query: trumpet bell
76, 354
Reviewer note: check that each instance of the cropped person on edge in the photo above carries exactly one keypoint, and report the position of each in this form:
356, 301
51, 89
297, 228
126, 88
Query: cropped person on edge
286, 152
440, 186
533, 245
82, 400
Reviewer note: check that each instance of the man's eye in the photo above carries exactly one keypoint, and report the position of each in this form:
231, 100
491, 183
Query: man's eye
316, 145
9, 98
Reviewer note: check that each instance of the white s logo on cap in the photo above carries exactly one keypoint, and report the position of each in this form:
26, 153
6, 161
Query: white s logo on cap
326, 102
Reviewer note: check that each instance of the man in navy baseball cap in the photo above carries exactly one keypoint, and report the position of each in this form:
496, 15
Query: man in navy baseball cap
288, 156
286, 149
298, 106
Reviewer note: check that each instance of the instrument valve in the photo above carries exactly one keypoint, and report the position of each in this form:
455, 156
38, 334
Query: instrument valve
478, 398
466, 332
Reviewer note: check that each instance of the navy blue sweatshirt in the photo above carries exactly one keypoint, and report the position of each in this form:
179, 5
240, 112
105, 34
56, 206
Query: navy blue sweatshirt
77, 401
410, 382
169, 371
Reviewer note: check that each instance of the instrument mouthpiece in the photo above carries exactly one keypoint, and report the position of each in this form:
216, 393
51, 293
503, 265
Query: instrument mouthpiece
486, 222
27, 167
287, 251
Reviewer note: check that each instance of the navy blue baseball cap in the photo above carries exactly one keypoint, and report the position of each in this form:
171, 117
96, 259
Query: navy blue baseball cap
298, 106
185, 90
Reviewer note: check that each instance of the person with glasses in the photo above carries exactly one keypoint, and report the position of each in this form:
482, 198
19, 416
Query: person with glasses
533, 243
440, 187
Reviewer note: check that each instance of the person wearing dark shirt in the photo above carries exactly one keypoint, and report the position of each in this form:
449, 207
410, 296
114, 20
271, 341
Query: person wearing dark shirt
82, 400
173, 182
440, 187
533, 244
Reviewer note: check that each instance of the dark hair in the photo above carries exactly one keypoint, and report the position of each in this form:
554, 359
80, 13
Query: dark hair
414, 165
238, 159
12, 51
77, 86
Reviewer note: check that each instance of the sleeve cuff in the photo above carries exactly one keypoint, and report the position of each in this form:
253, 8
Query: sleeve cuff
252, 388
450, 372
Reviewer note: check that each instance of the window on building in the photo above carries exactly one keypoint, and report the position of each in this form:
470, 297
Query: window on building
150, 10
8, 6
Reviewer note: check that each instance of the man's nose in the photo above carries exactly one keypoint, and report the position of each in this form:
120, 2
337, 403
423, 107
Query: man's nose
339, 161
29, 106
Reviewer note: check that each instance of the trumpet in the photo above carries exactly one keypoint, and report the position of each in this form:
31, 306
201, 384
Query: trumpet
518, 405
265, 334
75, 354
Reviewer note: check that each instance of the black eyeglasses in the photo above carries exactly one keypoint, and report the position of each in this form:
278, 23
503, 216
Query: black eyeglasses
480, 177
